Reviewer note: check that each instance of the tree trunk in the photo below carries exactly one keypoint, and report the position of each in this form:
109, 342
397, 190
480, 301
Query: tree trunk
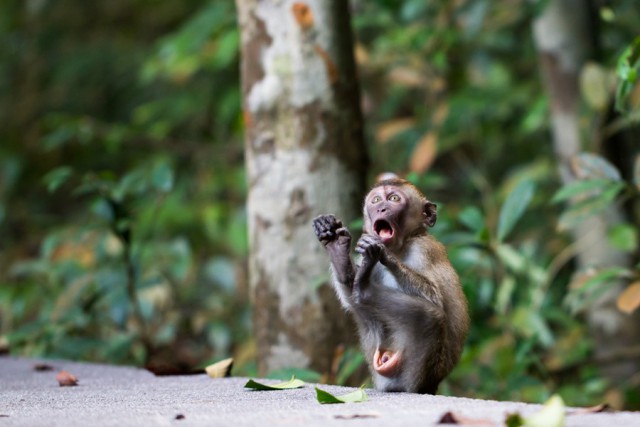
305, 155
563, 42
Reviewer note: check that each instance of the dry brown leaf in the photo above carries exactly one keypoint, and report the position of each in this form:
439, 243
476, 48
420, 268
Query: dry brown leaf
65, 379
440, 114
603, 407
424, 154
220, 369
356, 416
629, 299
406, 76
42, 367
361, 53
391, 128
453, 418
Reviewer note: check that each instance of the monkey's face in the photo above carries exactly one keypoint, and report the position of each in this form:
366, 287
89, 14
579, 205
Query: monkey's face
385, 212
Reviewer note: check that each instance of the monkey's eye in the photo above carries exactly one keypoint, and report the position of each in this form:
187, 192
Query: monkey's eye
394, 198
376, 199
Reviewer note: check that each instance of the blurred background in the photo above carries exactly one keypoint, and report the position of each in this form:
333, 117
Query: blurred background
123, 224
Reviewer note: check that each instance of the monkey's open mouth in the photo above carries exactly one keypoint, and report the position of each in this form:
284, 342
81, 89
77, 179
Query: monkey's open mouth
383, 229
386, 362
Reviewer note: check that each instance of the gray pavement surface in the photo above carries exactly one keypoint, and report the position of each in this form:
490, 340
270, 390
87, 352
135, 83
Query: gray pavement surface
124, 396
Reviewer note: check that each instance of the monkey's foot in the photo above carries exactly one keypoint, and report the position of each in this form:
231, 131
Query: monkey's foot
386, 362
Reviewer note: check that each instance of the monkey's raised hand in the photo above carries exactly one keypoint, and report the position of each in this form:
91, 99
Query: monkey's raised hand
337, 241
331, 232
371, 248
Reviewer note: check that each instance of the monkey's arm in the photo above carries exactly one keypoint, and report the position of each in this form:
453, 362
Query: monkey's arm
337, 241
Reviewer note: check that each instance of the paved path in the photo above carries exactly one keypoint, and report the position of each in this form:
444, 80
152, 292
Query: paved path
123, 396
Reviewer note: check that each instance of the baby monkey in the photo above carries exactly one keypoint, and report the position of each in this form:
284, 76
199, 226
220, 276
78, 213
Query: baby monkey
405, 296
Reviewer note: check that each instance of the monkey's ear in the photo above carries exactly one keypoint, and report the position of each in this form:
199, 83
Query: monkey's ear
429, 213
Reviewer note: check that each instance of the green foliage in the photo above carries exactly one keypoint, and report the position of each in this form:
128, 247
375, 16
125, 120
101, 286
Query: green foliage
122, 189
628, 68
136, 141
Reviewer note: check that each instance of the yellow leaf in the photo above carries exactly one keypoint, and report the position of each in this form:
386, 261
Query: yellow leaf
629, 300
391, 128
220, 369
440, 114
425, 153
406, 76
551, 414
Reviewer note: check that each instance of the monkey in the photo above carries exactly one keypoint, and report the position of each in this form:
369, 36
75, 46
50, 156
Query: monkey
405, 296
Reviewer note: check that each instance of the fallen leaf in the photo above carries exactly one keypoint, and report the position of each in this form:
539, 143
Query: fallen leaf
356, 416
42, 367
603, 407
552, 414
453, 418
286, 385
353, 397
65, 379
220, 369
629, 299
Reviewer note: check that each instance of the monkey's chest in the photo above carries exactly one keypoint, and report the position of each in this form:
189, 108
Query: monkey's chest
382, 278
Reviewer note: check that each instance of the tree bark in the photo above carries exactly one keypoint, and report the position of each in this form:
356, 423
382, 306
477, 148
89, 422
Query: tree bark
305, 155
563, 39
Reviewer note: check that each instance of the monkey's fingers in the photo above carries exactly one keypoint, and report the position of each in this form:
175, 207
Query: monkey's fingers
342, 231
328, 222
368, 239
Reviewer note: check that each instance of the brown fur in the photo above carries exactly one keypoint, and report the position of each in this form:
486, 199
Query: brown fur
405, 295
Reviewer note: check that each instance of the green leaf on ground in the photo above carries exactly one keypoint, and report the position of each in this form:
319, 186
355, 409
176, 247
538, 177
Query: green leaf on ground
354, 397
292, 383
551, 415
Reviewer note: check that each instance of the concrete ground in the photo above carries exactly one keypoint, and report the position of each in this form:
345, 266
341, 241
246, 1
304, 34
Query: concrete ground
123, 396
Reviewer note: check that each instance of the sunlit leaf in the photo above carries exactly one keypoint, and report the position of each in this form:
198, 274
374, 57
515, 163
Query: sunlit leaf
472, 217
353, 397
286, 385
623, 237
220, 369
424, 153
592, 166
586, 287
389, 129
629, 299
580, 188
514, 206
552, 414
589, 207
627, 69
594, 85
162, 177
57, 177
